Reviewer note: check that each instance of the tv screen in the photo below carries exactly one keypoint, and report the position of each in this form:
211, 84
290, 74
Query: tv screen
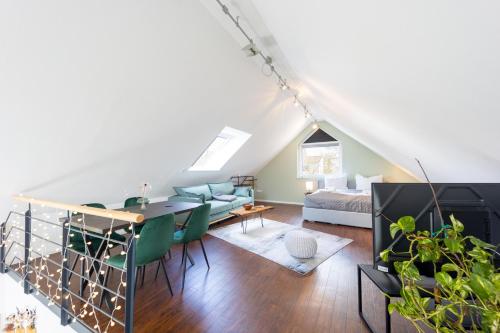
476, 205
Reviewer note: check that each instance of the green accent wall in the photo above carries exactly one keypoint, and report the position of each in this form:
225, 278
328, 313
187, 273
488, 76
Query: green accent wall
278, 181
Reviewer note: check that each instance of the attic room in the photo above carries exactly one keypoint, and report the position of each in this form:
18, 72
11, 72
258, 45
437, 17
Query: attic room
249, 166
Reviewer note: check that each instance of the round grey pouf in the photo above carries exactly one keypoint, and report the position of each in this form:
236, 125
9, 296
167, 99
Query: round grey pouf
300, 244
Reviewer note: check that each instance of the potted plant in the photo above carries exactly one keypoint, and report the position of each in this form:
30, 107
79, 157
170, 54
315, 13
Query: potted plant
467, 290
466, 295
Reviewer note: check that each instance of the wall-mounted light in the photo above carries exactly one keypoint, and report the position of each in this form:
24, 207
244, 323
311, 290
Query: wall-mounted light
250, 50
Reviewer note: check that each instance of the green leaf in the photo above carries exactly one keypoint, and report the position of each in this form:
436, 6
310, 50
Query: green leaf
428, 250
407, 224
483, 269
411, 296
453, 245
479, 254
424, 233
448, 267
398, 266
481, 287
495, 279
413, 273
425, 302
425, 255
490, 321
439, 314
407, 270
394, 228
457, 225
444, 279
384, 255
479, 243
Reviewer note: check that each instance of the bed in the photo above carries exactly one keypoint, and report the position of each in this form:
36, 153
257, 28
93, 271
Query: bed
349, 207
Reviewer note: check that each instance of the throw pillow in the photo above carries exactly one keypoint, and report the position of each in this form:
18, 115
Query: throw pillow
242, 191
223, 188
224, 197
200, 189
365, 183
194, 195
333, 183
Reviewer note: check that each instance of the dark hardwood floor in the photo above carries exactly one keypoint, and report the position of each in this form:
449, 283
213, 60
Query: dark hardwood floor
243, 292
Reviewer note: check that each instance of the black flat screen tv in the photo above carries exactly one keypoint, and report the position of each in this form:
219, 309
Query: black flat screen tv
476, 205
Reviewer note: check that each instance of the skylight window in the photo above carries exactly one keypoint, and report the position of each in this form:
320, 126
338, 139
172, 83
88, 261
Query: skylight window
222, 148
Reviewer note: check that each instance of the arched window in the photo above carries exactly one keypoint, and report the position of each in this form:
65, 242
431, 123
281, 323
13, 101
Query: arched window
319, 154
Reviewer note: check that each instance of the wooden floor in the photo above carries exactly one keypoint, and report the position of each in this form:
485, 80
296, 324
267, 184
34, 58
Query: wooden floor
243, 292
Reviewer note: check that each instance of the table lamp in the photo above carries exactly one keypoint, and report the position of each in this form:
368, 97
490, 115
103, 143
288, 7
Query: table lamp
309, 187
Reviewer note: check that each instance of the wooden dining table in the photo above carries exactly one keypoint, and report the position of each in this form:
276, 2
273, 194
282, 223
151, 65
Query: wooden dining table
102, 226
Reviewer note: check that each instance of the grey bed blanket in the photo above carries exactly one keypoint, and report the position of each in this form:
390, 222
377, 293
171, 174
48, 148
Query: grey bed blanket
350, 202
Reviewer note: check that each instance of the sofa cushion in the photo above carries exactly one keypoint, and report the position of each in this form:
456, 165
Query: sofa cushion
224, 197
187, 191
219, 206
241, 201
221, 188
242, 191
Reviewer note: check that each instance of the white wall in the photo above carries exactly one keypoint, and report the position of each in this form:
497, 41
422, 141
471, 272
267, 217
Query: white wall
98, 97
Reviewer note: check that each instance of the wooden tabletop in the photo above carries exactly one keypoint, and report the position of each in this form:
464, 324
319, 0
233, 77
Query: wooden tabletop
102, 225
255, 210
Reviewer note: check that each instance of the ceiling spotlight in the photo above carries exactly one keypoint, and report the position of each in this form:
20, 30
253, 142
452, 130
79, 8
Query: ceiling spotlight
308, 114
250, 50
283, 86
296, 101
315, 125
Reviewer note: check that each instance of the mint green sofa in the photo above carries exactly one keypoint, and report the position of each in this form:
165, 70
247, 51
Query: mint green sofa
205, 194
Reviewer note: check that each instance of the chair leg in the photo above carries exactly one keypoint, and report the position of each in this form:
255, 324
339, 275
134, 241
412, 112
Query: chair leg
204, 253
169, 254
157, 270
136, 279
185, 262
143, 275
183, 254
162, 262
190, 258
73, 267
103, 292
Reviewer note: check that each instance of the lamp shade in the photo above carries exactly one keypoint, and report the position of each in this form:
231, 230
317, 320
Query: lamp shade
309, 186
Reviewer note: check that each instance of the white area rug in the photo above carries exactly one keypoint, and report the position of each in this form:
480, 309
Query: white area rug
268, 242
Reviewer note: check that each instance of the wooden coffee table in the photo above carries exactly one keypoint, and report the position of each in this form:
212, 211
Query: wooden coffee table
244, 214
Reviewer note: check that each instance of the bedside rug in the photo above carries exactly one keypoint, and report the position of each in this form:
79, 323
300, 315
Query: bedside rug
268, 242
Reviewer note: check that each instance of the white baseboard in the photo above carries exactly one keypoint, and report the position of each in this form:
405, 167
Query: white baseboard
281, 202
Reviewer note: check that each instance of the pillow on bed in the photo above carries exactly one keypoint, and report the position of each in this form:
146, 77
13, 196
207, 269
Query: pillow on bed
333, 183
365, 183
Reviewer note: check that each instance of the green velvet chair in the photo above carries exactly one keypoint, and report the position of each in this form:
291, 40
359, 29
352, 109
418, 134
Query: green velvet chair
131, 202
155, 240
196, 227
78, 244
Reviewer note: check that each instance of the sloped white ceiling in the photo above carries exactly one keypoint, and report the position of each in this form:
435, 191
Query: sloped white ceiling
97, 97
406, 78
